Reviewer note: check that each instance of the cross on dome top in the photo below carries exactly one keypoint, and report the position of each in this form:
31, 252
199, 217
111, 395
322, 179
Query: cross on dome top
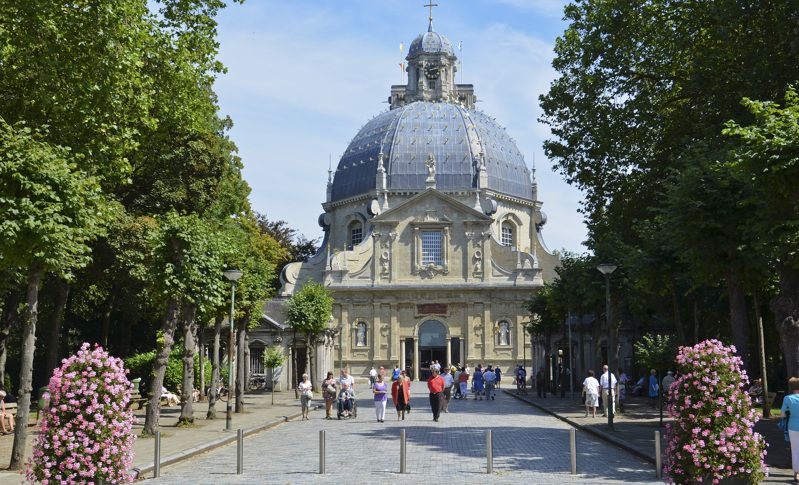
431, 5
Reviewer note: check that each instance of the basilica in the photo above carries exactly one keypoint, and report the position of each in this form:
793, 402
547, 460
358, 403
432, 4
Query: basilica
432, 235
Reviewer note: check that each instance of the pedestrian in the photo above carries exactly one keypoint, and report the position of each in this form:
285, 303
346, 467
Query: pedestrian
490, 379
666, 384
5, 416
463, 383
521, 380
498, 373
396, 374
609, 384
790, 408
347, 379
447, 395
329, 392
380, 390
478, 384
540, 383
591, 393
306, 395
372, 377
436, 386
401, 395
654, 388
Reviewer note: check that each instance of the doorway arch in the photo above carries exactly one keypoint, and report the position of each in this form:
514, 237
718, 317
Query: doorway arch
433, 339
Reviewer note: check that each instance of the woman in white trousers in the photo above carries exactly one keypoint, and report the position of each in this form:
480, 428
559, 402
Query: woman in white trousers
380, 389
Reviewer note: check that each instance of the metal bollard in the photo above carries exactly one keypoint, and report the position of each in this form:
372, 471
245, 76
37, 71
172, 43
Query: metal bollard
403, 467
157, 457
321, 452
240, 453
658, 457
489, 452
573, 446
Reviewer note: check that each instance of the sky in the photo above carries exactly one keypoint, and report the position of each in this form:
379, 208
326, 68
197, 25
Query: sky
305, 75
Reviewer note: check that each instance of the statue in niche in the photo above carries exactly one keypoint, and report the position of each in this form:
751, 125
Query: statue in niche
360, 335
430, 163
478, 262
504, 333
384, 262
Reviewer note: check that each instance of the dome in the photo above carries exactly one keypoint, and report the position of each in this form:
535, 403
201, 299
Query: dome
454, 135
430, 43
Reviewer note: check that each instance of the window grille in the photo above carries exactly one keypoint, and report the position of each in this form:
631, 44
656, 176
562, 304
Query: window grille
507, 234
256, 360
356, 235
431, 248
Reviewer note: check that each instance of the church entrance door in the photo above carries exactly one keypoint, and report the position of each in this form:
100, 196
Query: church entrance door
432, 346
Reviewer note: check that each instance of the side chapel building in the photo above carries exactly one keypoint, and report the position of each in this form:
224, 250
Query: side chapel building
432, 235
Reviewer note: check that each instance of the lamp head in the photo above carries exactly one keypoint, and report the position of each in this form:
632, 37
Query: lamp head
606, 268
232, 274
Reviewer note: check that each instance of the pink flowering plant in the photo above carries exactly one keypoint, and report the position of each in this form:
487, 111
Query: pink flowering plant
86, 434
712, 437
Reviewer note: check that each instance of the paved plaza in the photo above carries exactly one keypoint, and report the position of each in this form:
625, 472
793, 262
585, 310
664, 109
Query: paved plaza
529, 447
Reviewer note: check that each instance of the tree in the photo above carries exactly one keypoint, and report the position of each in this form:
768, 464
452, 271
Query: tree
768, 160
545, 317
309, 311
274, 358
49, 212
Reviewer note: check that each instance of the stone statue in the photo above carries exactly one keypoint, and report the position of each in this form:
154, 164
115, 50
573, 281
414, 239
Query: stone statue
360, 336
430, 163
504, 334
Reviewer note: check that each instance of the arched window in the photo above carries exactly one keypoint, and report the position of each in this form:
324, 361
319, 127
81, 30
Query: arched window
503, 333
507, 237
356, 234
360, 334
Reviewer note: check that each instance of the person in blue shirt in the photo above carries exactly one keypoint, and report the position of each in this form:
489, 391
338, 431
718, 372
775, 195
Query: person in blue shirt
654, 387
478, 383
790, 404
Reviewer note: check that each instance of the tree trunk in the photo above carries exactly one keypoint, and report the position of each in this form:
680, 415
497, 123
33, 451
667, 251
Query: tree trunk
61, 289
105, 322
696, 320
201, 359
9, 321
786, 316
214, 394
739, 321
189, 349
675, 306
26, 369
241, 379
163, 349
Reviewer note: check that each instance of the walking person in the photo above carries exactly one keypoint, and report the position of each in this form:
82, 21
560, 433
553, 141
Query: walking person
380, 390
436, 386
624, 381
608, 384
478, 384
463, 383
372, 377
521, 380
540, 384
790, 408
591, 393
329, 392
306, 395
490, 379
654, 388
498, 373
447, 395
396, 373
401, 394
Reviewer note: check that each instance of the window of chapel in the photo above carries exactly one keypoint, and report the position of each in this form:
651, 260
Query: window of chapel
356, 234
507, 234
432, 248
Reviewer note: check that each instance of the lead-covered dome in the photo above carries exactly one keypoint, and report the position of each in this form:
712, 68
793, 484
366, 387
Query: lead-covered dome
430, 43
453, 134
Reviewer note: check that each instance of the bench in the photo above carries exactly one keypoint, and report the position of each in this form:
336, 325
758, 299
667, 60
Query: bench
138, 400
11, 410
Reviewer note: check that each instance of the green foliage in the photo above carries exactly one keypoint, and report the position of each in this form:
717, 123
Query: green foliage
274, 357
141, 365
49, 211
655, 351
310, 309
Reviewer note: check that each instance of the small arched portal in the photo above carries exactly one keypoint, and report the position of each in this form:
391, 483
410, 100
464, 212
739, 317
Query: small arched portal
432, 345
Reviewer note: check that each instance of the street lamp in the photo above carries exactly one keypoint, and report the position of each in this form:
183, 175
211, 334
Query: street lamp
607, 269
233, 276
571, 359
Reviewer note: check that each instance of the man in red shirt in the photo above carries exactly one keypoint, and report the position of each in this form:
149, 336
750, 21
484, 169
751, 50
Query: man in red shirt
436, 386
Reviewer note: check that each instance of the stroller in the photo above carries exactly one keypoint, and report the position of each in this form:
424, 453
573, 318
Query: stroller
346, 402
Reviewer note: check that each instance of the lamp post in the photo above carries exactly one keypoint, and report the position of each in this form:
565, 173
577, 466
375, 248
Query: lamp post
607, 269
571, 361
233, 276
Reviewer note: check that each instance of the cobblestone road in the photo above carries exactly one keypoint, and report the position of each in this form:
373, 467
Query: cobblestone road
529, 447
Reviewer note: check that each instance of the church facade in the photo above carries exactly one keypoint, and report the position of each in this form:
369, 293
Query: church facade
432, 233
